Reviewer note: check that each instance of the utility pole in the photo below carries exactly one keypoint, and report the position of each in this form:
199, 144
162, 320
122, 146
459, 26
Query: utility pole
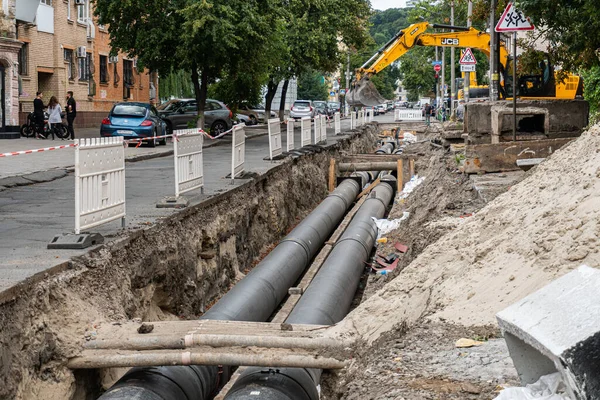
346, 107
452, 66
467, 80
443, 85
437, 81
493, 54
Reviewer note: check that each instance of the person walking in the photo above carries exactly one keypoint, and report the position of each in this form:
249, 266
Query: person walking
427, 114
38, 113
54, 111
71, 113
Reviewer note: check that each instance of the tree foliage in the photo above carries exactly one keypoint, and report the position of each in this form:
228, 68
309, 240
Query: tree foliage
208, 38
311, 86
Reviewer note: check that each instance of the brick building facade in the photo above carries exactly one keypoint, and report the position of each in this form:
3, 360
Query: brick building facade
9, 61
65, 50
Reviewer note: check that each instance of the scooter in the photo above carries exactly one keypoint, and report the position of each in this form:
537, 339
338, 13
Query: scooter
29, 128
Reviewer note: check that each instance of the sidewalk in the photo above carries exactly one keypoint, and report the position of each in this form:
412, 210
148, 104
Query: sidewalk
49, 165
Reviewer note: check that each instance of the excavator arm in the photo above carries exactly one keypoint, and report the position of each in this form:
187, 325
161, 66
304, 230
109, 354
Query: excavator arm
364, 93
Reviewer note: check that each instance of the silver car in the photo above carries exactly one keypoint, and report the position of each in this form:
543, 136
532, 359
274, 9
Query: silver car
301, 109
182, 114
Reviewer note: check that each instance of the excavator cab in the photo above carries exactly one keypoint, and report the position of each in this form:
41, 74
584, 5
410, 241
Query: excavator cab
539, 85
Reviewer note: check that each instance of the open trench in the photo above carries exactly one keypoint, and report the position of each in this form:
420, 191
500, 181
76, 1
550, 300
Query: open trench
176, 269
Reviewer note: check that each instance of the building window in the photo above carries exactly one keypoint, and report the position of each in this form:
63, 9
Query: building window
24, 59
46, 2
84, 67
103, 69
127, 78
69, 10
68, 56
83, 12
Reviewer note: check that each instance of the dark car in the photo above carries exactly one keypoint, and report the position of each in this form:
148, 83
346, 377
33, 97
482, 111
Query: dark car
334, 106
182, 113
134, 120
321, 107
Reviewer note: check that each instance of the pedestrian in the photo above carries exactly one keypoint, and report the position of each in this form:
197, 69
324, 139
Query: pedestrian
54, 111
38, 113
427, 114
71, 113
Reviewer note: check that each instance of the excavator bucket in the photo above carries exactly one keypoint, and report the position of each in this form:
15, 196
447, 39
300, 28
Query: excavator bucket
364, 94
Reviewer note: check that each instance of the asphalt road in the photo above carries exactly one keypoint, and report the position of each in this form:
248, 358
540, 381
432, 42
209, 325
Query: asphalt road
32, 215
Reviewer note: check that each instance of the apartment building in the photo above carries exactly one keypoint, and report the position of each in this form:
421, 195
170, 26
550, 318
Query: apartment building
64, 49
9, 74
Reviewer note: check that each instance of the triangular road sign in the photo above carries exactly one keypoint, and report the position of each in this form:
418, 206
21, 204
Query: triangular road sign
513, 20
467, 58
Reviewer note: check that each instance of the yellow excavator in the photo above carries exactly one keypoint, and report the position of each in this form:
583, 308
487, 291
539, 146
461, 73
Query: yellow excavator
542, 86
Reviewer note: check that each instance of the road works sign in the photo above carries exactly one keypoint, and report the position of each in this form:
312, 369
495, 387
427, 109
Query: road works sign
467, 58
513, 20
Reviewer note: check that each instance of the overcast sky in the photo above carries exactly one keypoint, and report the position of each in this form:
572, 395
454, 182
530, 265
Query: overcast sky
385, 4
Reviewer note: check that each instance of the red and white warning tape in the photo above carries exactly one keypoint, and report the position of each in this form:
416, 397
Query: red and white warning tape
125, 142
18, 153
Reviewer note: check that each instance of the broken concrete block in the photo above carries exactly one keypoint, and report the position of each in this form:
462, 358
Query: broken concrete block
557, 329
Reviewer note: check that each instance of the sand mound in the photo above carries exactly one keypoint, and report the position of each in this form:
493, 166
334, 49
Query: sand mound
539, 230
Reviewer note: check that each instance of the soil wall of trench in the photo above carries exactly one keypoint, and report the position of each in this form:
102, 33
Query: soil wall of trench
174, 269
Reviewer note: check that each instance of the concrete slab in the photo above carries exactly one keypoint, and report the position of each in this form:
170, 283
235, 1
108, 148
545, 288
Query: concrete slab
557, 329
501, 157
490, 186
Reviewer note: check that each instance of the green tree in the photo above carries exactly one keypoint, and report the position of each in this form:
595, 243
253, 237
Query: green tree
311, 86
309, 37
209, 39
176, 84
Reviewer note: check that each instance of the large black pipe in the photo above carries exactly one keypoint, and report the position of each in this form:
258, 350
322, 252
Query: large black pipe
254, 298
326, 301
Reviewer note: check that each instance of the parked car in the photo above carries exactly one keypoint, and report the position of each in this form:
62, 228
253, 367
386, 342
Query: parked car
179, 113
334, 106
134, 120
255, 113
389, 106
243, 119
321, 107
301, 109
380, 109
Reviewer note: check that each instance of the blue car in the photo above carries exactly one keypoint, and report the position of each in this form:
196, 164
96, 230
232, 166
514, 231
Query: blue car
134, 120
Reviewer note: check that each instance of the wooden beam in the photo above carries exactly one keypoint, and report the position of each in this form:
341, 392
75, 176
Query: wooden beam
369, 188
368, 166
332, 174
91, 359
400, 175
359, 158
411, 165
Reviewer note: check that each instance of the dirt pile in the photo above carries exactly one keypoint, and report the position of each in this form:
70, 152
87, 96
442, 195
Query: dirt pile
540, 229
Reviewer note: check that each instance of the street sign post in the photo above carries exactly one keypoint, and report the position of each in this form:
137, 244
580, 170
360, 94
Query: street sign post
467, 68
513, 20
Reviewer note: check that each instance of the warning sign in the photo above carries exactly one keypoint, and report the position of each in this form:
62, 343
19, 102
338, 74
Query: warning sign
467, 58
513, 20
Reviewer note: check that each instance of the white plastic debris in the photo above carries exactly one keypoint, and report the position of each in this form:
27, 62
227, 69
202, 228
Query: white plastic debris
410, 186
386, 226
409, 138
548, 387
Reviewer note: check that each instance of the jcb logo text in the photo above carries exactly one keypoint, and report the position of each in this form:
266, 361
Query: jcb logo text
450, 42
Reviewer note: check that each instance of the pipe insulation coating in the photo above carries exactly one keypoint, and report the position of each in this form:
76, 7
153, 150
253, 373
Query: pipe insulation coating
254, 298
326, 301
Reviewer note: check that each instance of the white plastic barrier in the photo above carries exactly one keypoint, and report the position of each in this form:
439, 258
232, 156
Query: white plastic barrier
99, 182
371, 114
396, 114
275, 147
323, 128
409, 115
337, 123
305, 132
238, 150
290, 134
352, 120
317, 135
189, 163
363, 117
